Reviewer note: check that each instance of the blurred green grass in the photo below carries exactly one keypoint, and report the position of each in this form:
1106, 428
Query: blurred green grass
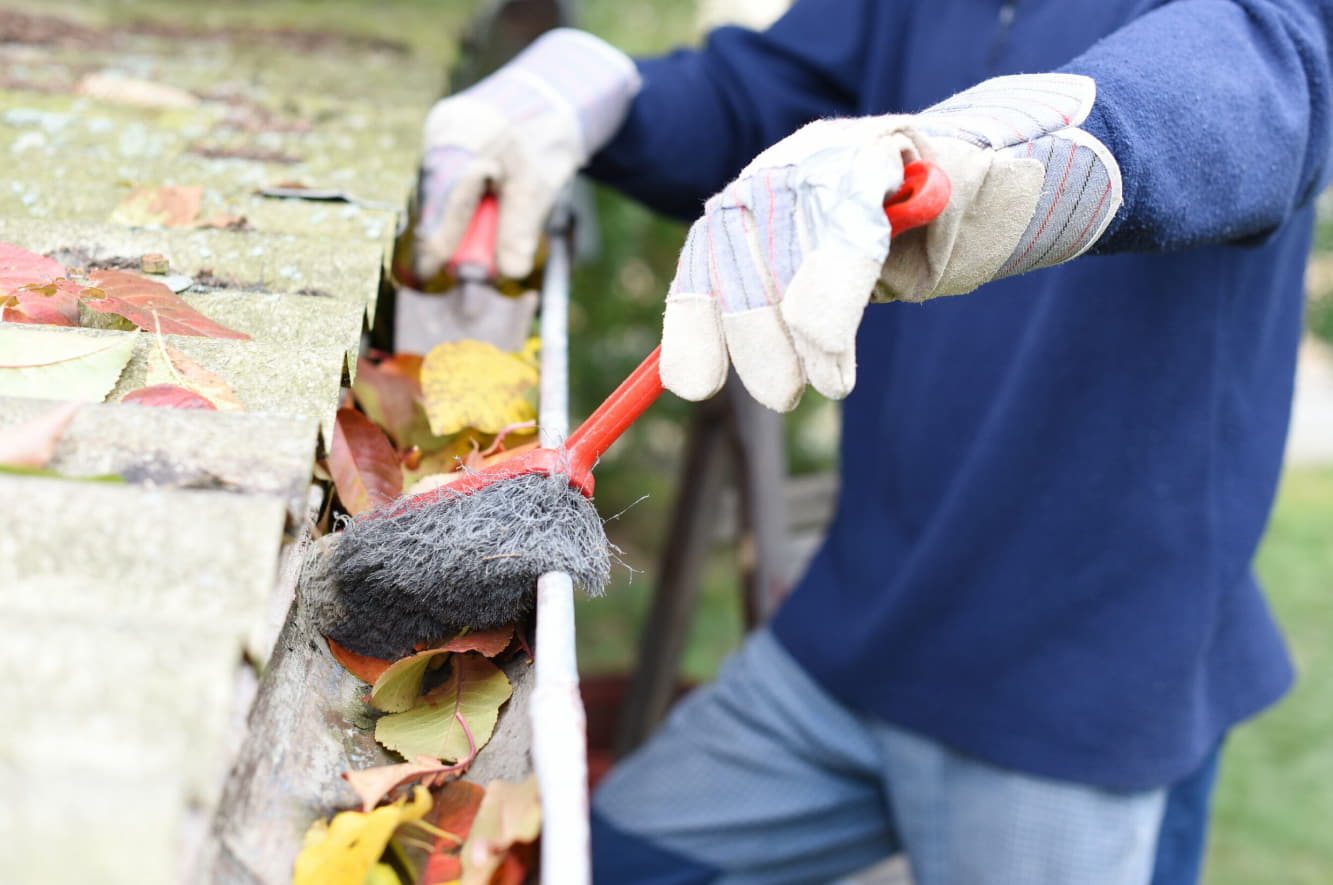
1274, 810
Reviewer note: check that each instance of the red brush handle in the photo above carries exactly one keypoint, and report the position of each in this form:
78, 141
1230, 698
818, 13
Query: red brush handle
923, 195
477, 248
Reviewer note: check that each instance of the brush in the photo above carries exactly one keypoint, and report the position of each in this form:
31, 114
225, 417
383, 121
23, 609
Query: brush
468, 554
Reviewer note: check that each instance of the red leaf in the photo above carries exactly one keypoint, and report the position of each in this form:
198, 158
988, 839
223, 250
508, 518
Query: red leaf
363, 667
170, 395
455, 807
391, 400
441, 869
50, 305
19, 267
32, 443
363, 463
489, 642
150, 305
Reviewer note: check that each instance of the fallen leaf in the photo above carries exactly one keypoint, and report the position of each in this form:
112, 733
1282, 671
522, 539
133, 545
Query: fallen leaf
510, 816
53, 304
150, 305
32, 443
382, 874
456, 719
363, 463
33, 289
391, 400
171, 396
407, 365
456, 805
61, 365
19, 267
129, 90
363, 667
488, 642
159, 207
471, 462
373, 784
442, 868
474, 384
167, 365
343, 851
398, 688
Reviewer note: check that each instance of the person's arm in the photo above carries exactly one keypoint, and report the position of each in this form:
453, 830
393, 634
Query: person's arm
702, 115
1218, 112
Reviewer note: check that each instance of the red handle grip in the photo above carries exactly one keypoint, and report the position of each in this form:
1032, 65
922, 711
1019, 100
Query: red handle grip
924, 194
477, 248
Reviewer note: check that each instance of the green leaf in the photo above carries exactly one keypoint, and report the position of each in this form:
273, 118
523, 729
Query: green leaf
439, 725
398, 687
61, 365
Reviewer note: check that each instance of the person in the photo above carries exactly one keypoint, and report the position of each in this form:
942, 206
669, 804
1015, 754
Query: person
1034, 619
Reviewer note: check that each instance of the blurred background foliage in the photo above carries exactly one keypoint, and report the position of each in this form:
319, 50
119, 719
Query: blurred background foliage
1275, 795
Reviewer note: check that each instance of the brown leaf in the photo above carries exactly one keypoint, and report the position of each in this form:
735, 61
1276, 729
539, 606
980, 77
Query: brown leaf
373, 784
171, 396
407, 365
363, 463
32, 443
489, 642
391, 400
159, 207
150, 305
456, 805
167, 365
363, 667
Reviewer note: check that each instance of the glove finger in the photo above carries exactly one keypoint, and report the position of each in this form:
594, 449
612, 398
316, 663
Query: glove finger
827, 297
832, 374
765, 357
694, 353
525, 203
438, 234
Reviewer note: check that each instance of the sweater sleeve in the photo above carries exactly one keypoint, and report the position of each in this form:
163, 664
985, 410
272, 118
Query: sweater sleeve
702, 115
1218, 114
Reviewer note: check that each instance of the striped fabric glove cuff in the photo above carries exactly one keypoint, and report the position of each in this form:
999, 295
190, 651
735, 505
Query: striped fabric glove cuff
1030, 188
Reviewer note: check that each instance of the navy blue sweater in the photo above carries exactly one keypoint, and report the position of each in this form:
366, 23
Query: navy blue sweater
1052, 487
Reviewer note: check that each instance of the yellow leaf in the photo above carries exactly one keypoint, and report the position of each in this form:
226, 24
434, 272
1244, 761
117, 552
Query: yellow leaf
344, 851
532, 351
475, 384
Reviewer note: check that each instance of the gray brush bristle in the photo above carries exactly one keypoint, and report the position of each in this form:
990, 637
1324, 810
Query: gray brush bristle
414, 572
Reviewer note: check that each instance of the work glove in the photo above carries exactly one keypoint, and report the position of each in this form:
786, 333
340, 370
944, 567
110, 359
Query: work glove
524, 131
775, 275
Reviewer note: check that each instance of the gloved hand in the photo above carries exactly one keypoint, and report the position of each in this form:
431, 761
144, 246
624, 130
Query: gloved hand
525, 130
776, 274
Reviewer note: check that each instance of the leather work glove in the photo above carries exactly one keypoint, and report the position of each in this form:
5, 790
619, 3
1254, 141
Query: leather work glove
775, 275
525, 131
